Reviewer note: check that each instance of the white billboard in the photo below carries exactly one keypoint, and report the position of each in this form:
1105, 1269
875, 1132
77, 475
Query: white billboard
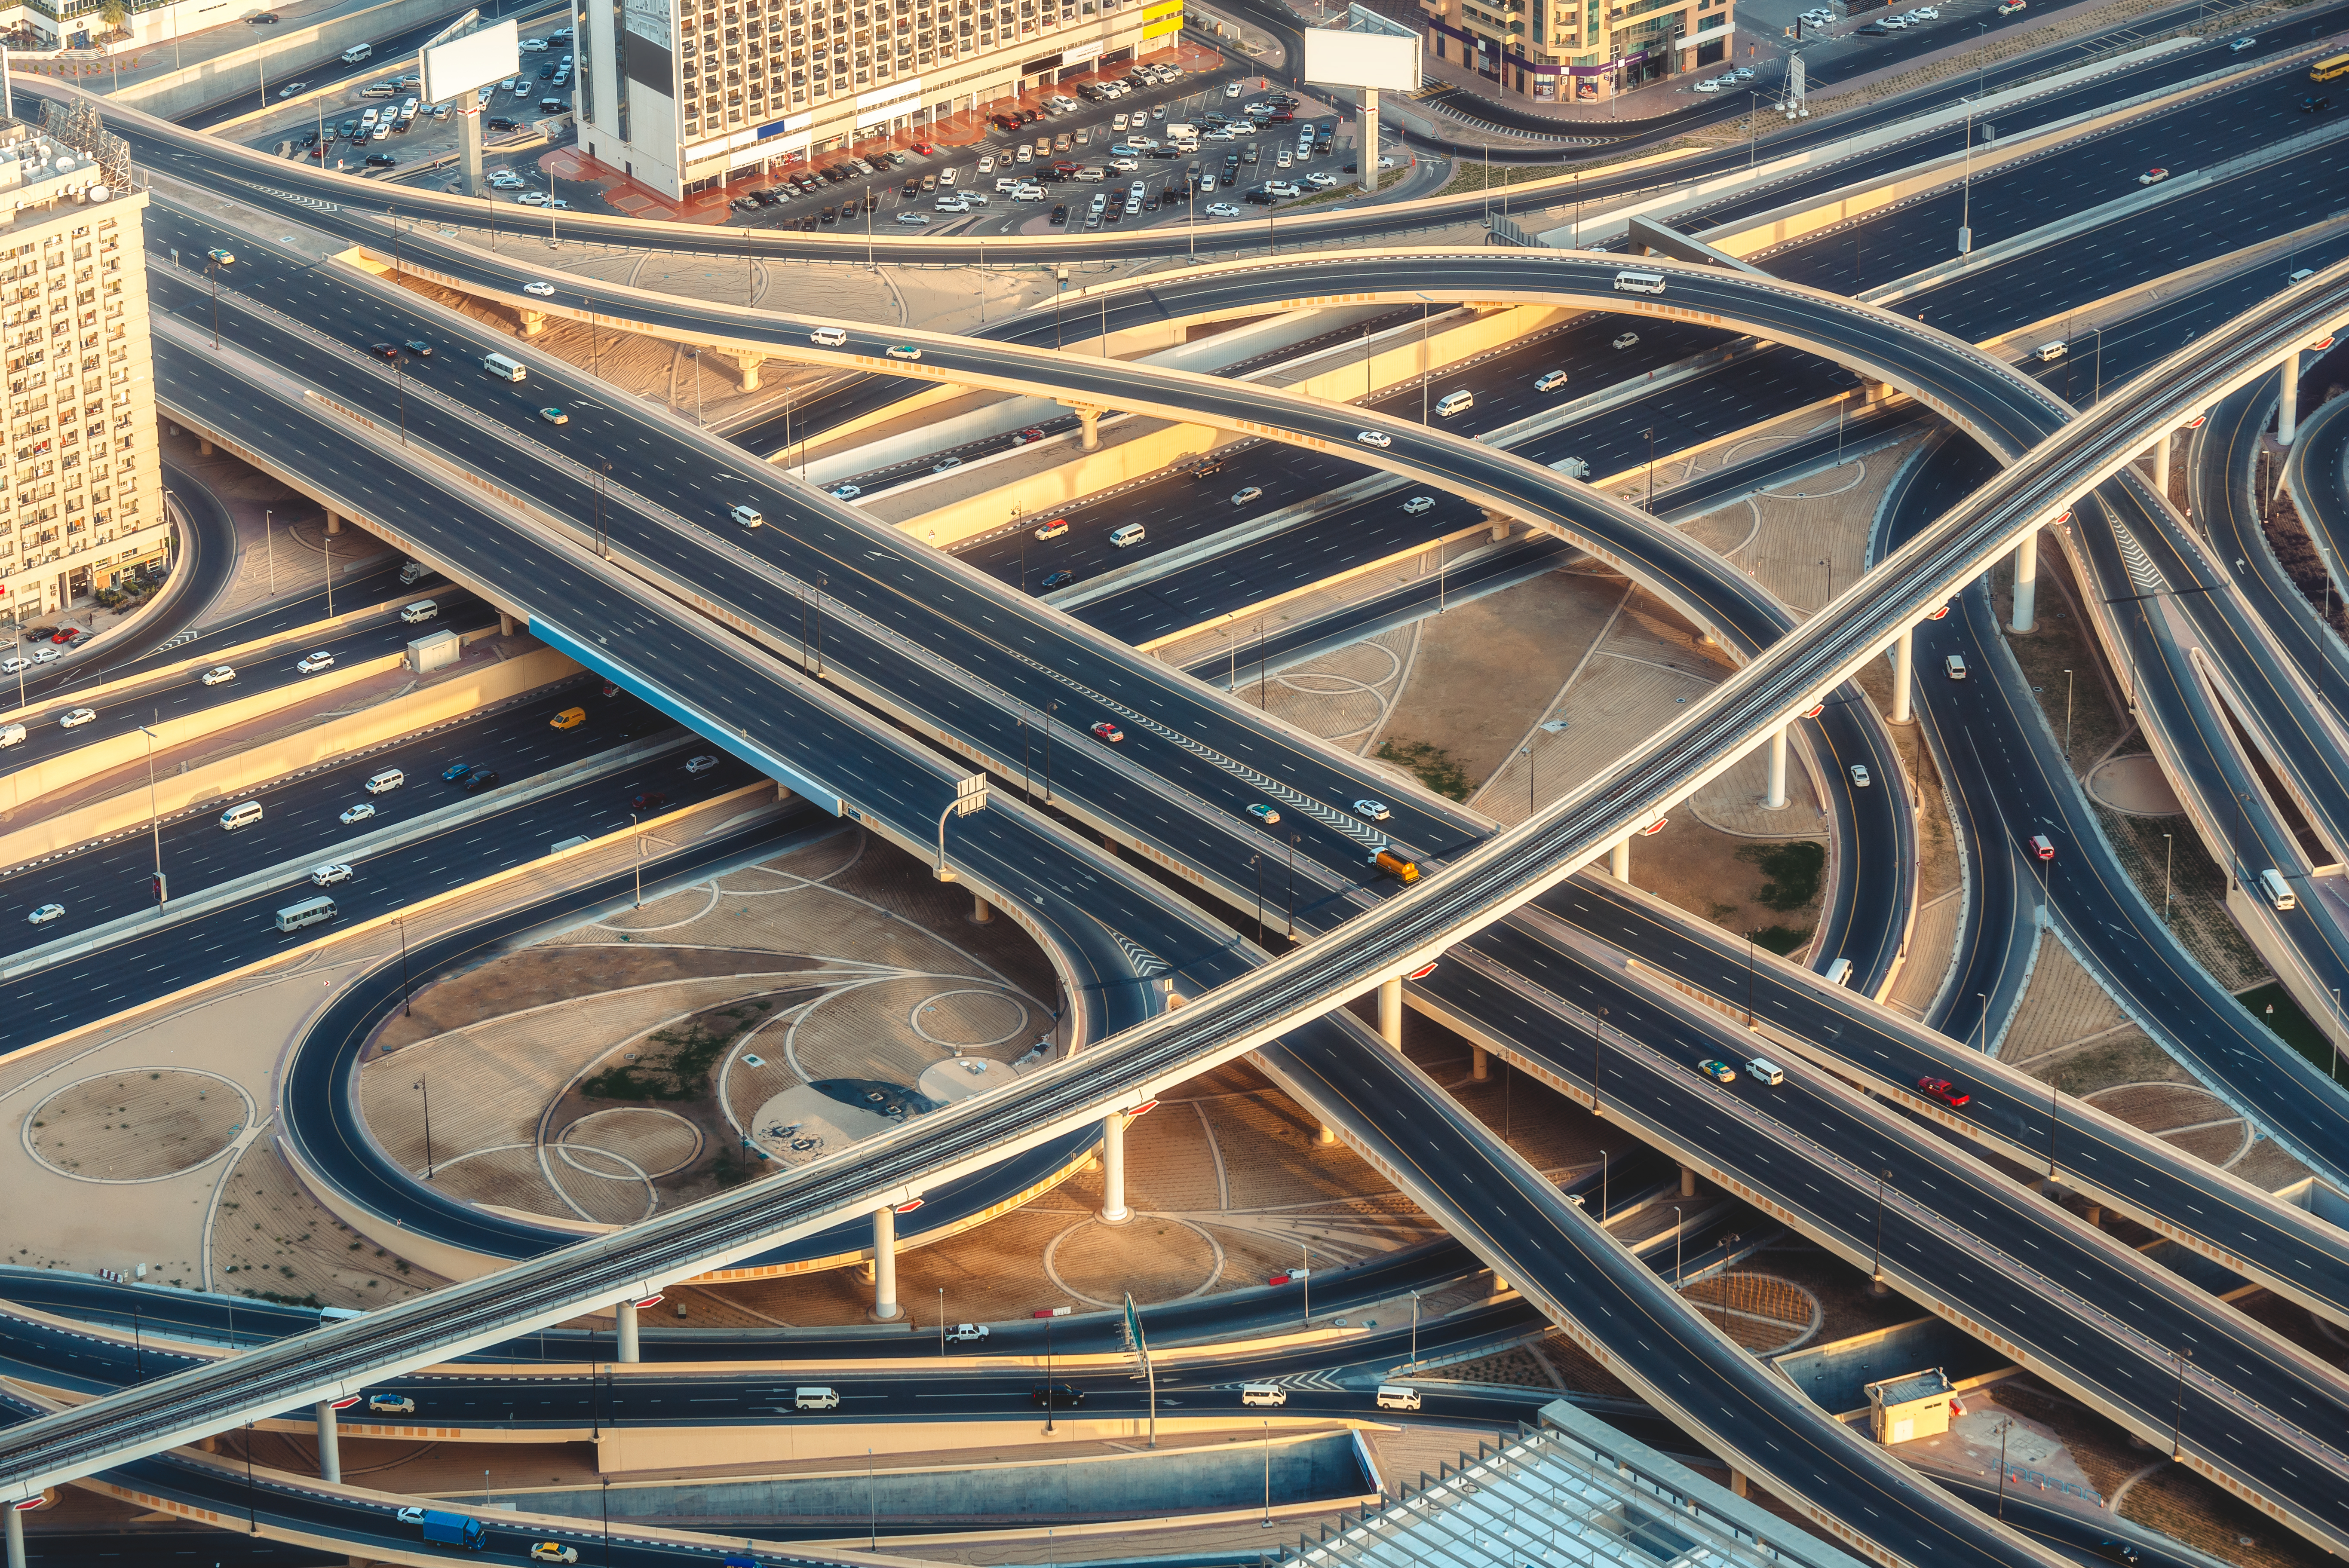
1333, 58
455, 68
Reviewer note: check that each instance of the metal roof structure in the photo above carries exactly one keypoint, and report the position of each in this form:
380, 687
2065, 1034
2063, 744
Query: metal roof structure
1573, 1493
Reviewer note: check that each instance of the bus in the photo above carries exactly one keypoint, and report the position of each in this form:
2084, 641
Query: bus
2328, 69
309, 912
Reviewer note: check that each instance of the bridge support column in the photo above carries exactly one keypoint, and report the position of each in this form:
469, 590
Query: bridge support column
1391, 1011
331, 1447
2161, 463
884, 1264
1088, 427
1326, 1136
746, 369
1775, 801
1499, 530
624, 1316
2287, 406
1113, 1211
204, 446
1688, 1182
2026, 580
16, 1528
1904, 675
1367, 160
529, 323
981, 912
1619, 862
333, 522
1737, 1482
505, 624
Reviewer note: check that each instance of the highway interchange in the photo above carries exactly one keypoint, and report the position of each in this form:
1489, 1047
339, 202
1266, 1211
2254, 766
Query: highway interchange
1210, 751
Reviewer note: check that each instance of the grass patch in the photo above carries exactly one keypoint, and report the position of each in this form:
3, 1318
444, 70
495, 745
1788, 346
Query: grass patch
1792, 870
2290, 1025
676, 1063
1782, 940
1431, 765
1339, 192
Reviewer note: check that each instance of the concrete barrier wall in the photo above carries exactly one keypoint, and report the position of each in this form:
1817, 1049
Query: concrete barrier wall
1837, 1376
174, 93
231, 776
792, 1439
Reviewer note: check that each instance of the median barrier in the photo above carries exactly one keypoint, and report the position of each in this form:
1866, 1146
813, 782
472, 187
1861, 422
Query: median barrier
621, 1449
262, 767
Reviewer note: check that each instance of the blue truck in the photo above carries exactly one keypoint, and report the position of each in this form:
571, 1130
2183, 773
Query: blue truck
444, 1529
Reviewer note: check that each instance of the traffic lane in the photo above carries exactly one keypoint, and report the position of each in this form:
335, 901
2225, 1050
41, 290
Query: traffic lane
1534, 1237
187, 693
2320, 468
1803, 1133
106, 880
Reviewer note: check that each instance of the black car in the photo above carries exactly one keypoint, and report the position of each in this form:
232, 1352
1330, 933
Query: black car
387, 352
381, 160
266, 19
310, 138
1059, 1396
502, 122
348, 128
546, 73
1260, 195
1211, 466
649, 802
419, 347
1061, 216
2314, 104
1058, 580
476, 782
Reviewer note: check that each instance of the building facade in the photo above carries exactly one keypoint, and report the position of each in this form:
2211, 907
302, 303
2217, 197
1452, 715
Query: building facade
83, 506
1552, 51
680, 95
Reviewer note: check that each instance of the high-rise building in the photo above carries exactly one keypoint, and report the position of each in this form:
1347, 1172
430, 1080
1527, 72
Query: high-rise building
83, 504
679, 93
1553, 51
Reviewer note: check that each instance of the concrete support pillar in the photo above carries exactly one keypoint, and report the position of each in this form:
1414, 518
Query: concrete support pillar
981, 912
1391, 1011
16, 1538
2287, 407
204, 446
746, 369
1088, 428
1619, 862
1480, 1063
531, 323
1737, 1482
1688, 1182
1500, 1285
505, 624
1368, 162
1499, 530
1326, 1136
333, 522
625, 1315
2026, 580
2095, 1215
331, 1447
1113, 1211
2161, 463
884, 1264
1775, 801
1904, 675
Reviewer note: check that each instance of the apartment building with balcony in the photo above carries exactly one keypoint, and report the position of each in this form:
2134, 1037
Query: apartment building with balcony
1554, 51
679, 95
82, 508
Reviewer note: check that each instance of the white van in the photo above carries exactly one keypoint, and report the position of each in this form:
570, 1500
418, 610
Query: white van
1839, 971
243, 814
14, 735
422, 610
1129, 534
504, 369
357, 52
1764, 1071
814, 1400
1394, 1396
385, 782
1639, 283
1452, 403
748, 516
828, 337
2049, 352
2279, 891
1263, 1394
1956, 664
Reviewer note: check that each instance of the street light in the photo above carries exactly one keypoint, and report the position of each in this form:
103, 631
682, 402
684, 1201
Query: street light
1597, 1013
154, 822
426, 1093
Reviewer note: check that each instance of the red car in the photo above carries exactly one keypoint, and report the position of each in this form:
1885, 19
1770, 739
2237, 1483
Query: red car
65, 633
2042, 846
1290, 1276
1945, 1091
1107, 731
926, 149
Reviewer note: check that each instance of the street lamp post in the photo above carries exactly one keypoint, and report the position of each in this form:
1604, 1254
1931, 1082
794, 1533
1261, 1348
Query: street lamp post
1650, 433
426, 1093
155, 823
1595, 1014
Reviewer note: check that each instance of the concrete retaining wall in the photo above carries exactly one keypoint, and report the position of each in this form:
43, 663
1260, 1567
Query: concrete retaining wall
1837, 1376
231, 776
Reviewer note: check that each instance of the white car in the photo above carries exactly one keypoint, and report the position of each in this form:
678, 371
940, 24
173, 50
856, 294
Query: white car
986, 163
1123, 165
1627, 340
697, 766
1859, 776
1419, 503
11, 664
329, 875
951, 209
46, 913
845, 492
2239, 45
532, 199
1231, 90
1321, 182
321, 660
1241, 497
946, 465
1282, 188
542, 289
914, 220
1132, 205
358, 813
45, 656
219, 675
1222, 210
966, 1334
1374, 438
77, 717
1707, 86
1372, 810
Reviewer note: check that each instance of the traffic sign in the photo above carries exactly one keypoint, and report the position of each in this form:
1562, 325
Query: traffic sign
970, 795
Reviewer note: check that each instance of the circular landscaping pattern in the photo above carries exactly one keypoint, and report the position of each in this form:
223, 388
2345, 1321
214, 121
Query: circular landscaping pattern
2186, 1116
1156, 1258
969, 1019
137, 1125
654, 1142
